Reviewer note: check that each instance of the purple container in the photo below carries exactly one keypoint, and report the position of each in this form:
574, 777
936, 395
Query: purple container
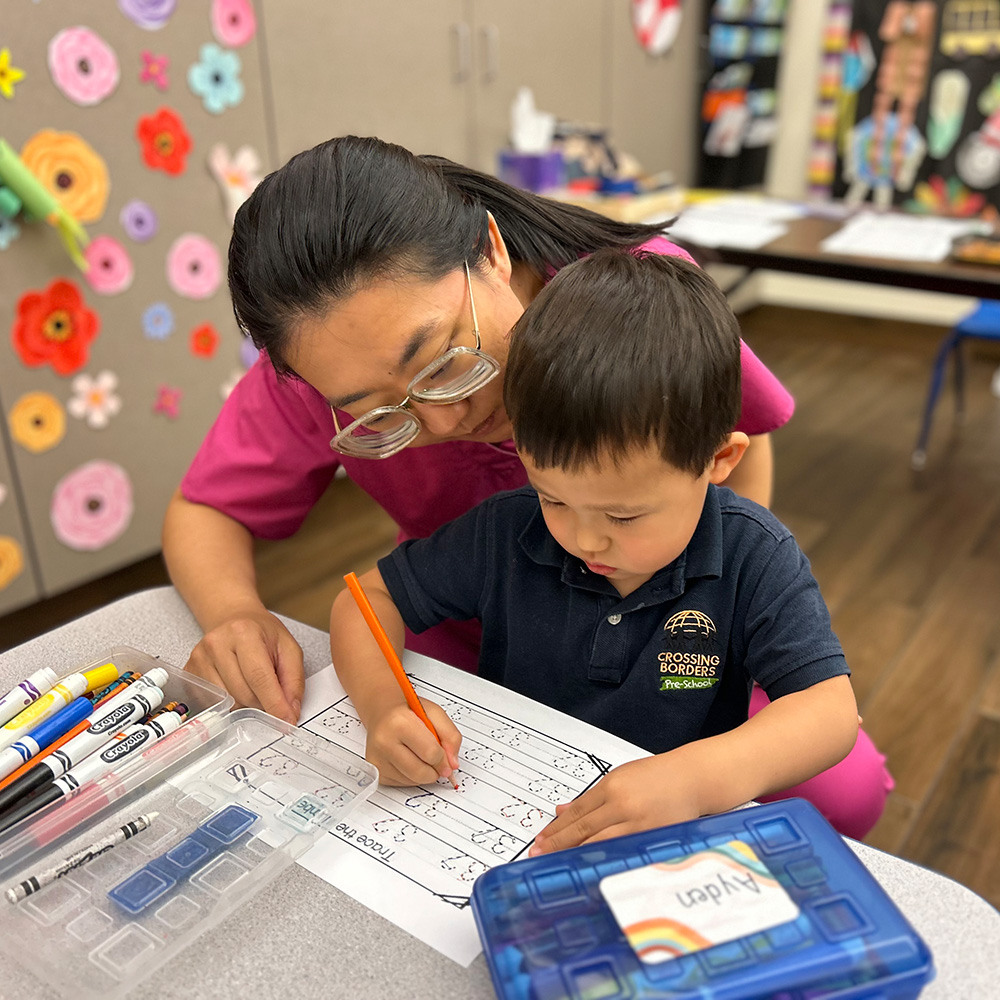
533, 171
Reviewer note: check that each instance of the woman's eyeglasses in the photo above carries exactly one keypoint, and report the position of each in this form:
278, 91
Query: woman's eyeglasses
452, 377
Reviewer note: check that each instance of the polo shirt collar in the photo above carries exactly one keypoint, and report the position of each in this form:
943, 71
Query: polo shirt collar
701, 558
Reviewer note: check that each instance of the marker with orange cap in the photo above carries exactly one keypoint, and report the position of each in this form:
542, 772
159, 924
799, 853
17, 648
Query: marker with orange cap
392, 657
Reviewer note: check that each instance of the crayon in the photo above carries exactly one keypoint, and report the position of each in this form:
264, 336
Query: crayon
134, 740
129, 677
35, 882
29, 690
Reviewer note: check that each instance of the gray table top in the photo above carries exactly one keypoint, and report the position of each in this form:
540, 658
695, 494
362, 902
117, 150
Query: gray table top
300, 937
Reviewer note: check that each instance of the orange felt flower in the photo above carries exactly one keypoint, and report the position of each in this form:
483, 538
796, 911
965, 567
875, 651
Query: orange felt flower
54, 327
164, 141
70, 171
204, 340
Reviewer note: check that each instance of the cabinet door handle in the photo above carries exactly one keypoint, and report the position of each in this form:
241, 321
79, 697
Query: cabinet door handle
491, 52
463, 51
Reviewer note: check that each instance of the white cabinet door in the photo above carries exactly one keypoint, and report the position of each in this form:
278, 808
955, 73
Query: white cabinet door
653, 99
392, 69
558, 48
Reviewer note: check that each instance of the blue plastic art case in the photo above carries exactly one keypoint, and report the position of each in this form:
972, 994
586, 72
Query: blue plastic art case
761, 902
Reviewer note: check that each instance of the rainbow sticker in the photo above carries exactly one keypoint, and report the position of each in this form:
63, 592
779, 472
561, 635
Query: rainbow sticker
673, 908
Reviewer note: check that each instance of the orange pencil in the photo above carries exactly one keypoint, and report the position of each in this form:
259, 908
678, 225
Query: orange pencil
42, 754
368, 613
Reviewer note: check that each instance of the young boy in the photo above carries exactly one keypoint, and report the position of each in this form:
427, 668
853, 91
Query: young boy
625, 586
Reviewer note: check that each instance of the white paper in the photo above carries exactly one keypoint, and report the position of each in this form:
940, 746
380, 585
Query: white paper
412, 854
739, 221
899, 237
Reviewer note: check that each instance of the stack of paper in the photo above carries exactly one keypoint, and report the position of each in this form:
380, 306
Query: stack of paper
735, 221
900, 237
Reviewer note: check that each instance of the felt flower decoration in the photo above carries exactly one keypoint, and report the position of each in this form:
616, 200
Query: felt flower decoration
109, 267
168, 401
164, 141
149, 14
194, 268
204, 340
9, 75
95, 399
158, 321
139, 221
11, 560
70, 170
154, 70
9, 231
215, 78
83, 66
237, 175
37, 422
233, 22
92, 506
54, 327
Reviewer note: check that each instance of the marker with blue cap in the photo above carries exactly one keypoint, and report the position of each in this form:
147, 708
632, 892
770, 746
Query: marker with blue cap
42, 735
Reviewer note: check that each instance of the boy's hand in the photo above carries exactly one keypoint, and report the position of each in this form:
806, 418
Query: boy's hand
404, 749
640, 795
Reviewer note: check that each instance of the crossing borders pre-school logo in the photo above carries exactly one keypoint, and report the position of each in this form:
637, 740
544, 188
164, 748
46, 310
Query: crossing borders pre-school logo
691, 663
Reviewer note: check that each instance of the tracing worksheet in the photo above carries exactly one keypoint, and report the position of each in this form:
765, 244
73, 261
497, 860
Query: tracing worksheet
412, 854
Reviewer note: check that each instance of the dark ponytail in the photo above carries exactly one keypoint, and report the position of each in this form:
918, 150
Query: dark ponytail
352, 211
542, 233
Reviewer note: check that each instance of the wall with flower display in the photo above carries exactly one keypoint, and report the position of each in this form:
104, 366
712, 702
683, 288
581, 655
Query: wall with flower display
144, 120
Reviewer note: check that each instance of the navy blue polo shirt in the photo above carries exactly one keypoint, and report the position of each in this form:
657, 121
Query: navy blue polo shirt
672, 662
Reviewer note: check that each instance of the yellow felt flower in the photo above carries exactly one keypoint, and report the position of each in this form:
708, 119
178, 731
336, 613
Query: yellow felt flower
9, 75
11, 560
37, 421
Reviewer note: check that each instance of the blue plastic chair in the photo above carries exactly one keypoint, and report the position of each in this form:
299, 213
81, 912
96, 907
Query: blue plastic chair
983, 322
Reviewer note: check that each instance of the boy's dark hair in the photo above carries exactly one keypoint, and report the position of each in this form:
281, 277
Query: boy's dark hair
621, 348
353, 210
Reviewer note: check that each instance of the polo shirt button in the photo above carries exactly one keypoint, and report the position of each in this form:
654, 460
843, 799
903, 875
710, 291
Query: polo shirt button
614, 619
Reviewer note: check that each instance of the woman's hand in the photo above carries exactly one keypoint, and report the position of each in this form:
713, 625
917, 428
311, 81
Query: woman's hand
254, 657
639, 795
404, 749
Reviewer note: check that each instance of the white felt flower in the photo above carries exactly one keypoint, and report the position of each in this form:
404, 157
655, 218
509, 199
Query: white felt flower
94, 399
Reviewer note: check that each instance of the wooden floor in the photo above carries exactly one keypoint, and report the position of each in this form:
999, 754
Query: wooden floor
910, 569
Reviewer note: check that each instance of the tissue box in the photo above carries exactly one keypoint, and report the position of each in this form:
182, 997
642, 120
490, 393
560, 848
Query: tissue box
533, 171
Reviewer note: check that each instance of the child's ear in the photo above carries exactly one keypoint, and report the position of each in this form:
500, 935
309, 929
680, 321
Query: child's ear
727, 457
499, 257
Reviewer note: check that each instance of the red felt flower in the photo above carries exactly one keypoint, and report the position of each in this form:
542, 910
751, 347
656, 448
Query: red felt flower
164, 140
204, 340
54, 327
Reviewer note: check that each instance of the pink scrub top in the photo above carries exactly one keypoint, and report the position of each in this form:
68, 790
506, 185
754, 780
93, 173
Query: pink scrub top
267, 460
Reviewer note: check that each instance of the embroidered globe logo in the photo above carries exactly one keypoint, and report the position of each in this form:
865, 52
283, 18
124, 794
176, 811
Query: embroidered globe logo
690, 623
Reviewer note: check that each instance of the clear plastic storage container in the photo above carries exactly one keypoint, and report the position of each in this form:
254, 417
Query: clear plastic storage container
239, 795
761, 902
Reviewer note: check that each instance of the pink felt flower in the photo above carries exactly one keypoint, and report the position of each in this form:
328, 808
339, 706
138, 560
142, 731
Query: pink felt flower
83, 66
233, 22
194, 269
109, 267
154, 70
168, 401
92, 506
